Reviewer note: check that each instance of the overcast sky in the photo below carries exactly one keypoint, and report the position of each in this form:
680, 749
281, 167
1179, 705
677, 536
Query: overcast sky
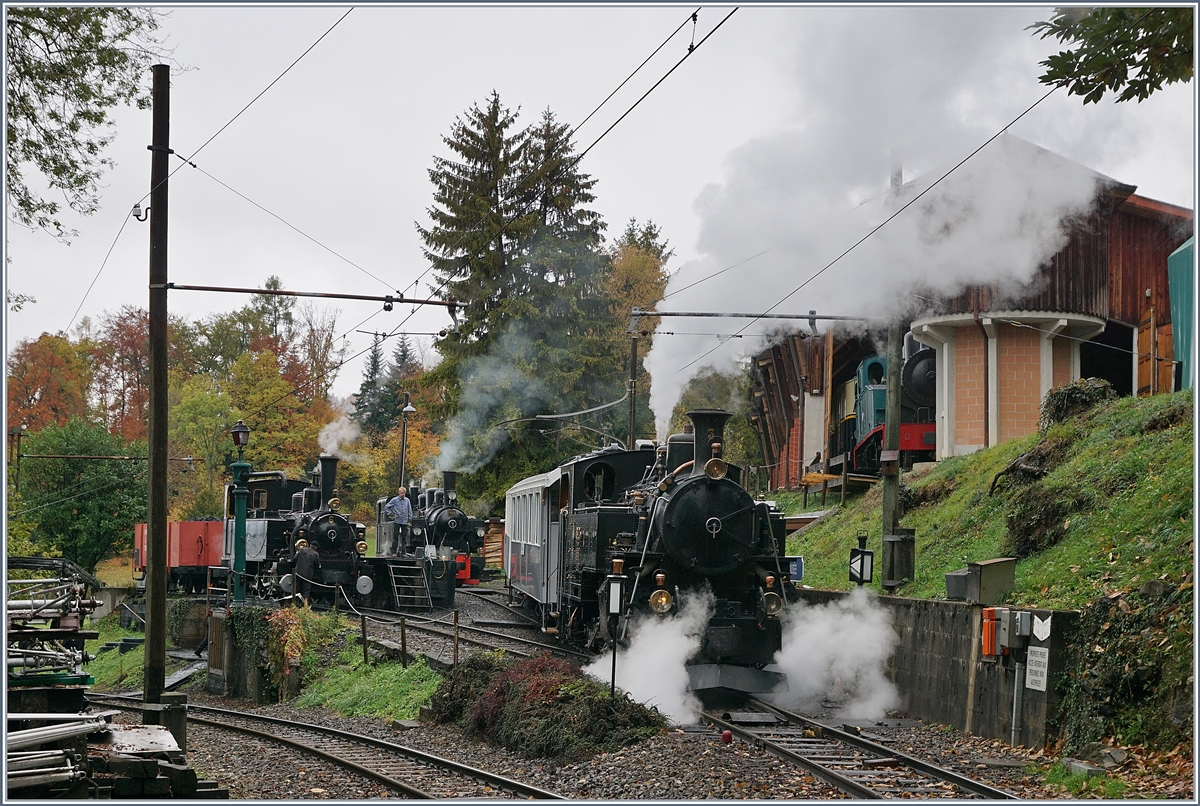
341, 146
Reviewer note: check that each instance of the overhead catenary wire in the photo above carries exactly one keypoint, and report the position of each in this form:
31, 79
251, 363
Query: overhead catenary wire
566, 167
293, 227
572, 132
125, 219
574, 162
911, 202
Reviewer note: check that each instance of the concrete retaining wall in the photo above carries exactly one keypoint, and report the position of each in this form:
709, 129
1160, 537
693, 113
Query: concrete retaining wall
940, 672
110, 599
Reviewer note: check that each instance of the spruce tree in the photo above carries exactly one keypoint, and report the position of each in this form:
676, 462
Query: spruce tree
472, 244
513, 240
371, 410
400, 374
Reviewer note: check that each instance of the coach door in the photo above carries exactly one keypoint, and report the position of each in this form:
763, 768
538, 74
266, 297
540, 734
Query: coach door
552, 553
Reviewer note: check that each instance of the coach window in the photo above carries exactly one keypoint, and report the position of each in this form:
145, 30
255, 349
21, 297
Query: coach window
552, 495
598, 482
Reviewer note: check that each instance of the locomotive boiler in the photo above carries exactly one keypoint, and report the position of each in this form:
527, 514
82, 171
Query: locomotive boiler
674, 526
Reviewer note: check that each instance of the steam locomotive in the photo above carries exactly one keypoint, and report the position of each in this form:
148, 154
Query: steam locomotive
860, 431
438, 528
281, 512
616, 535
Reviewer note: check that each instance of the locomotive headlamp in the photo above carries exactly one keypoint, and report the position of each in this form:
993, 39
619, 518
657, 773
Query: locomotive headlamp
335, 504
301, 544
661, 601
660, 578
772, 603
715, 468
417, 531
361, 547
479, 531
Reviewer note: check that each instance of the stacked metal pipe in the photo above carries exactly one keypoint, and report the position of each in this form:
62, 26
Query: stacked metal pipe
38, 767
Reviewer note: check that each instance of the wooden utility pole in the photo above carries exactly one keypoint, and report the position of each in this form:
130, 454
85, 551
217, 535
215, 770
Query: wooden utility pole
156, 506
632, 392
891, 430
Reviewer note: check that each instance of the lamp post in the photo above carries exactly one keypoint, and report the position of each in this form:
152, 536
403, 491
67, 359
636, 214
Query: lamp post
616, 587
241, 436
404, 412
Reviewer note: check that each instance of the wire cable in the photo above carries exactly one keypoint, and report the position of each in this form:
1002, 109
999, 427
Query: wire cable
575, 161
291, 226
692, 17
910, 203
197, 151
442, 285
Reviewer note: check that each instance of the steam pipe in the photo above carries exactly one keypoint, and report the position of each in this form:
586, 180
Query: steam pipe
709, 427
328, 477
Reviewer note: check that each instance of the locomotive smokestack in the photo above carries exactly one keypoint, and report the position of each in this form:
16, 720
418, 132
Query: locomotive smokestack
709, 429
328, 477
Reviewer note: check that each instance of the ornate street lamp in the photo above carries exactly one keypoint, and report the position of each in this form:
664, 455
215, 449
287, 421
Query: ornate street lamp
404, 412
240, 468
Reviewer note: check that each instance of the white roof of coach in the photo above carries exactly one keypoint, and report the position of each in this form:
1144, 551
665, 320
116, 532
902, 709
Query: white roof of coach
541, 482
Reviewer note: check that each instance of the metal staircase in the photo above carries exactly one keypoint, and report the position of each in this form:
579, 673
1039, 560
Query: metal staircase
410, 587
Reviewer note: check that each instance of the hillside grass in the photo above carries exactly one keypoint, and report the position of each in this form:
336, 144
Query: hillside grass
1105, 526
117, 572
112, 671
1113, 511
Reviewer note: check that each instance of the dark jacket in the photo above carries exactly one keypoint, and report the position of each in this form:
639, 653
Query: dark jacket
308, 562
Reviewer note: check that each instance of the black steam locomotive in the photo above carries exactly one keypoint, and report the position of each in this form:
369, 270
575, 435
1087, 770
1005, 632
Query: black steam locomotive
438, 528
666, 523
282, 512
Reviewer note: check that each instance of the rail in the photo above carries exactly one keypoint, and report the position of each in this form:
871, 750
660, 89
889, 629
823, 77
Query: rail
380, 766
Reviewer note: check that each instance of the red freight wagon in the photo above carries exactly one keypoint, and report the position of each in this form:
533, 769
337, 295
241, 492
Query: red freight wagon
192, 546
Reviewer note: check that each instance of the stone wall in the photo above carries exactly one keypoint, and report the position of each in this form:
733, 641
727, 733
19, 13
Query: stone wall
942, 676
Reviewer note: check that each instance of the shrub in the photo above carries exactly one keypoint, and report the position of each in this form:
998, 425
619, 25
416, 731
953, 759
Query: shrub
542, 707
1066, 401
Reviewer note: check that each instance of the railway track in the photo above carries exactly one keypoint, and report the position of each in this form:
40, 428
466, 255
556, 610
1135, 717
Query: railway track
410, 772
491, 596
484, 638
855, 765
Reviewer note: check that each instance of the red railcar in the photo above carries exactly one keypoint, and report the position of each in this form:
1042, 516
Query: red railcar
192, 546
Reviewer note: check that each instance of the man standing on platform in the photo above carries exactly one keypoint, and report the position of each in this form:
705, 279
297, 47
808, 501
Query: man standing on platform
399, 509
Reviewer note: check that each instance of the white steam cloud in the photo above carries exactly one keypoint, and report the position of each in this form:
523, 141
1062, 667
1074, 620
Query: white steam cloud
652, 669
494, 387
877, 87
341, 431
839, 651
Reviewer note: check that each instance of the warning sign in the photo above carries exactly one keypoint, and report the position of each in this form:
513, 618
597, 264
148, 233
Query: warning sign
1037, 668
